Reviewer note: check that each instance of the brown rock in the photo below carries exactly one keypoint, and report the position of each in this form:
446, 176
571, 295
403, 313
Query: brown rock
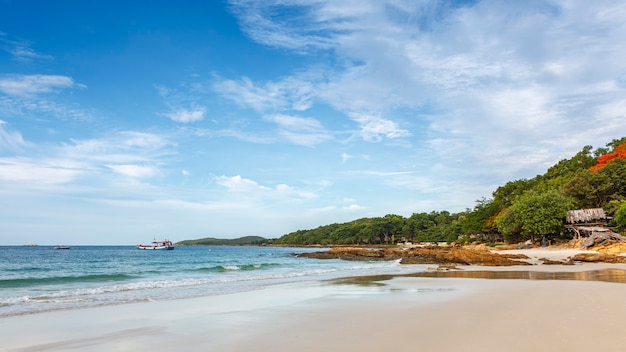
597, 257
423, 255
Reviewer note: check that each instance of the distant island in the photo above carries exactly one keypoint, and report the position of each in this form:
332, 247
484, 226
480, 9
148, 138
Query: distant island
210, 241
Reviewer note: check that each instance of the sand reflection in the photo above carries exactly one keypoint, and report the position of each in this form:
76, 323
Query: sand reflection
605, 275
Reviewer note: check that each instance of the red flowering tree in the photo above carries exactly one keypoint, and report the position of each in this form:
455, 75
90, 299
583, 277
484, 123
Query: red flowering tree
618, 153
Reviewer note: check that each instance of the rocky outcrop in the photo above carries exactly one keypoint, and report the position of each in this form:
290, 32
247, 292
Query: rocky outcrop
421, 255
602, 237
597, 258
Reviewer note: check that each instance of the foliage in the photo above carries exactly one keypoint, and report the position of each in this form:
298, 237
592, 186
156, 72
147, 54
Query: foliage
386, 230
620, 216
480, 220
618, 153
535, 215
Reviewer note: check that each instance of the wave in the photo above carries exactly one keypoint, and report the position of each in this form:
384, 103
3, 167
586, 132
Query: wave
25, 282
148, 285
238, 267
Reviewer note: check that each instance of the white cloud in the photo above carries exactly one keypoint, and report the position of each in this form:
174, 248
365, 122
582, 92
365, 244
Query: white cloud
373, 127
187, 115
28, 85
182, 106
300, 130
487, 85
40, 171
239, 184
134, 171
130, 155
293, 93
254, 192
10, 140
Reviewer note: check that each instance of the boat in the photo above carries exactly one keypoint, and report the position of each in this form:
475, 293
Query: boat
165, 244
62, 247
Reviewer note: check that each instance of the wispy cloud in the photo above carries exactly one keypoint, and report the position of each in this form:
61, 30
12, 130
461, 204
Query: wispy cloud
11, 140
187, 115
21, 50
265, 22
130, 155
29, 85
253, 191
494, 76
373, 127
300, 130
182, 107
134, 171
293, 93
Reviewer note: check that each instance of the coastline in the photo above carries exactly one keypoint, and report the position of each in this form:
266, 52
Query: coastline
403, 314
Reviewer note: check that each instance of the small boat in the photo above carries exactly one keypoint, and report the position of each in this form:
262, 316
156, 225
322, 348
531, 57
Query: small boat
62, 247
165, 244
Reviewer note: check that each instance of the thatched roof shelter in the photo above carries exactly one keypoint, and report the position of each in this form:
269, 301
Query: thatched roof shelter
585, 216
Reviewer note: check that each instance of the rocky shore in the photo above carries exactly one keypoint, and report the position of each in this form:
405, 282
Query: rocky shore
458, 255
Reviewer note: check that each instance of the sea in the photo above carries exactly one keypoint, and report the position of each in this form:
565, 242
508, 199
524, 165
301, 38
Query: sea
36, 279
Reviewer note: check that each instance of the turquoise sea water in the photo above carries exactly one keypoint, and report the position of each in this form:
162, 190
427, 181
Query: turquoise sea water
39, 279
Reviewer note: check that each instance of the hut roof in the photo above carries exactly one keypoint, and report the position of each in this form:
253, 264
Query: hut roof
585, 215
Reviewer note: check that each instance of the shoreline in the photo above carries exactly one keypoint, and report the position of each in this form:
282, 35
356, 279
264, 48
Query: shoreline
401, 313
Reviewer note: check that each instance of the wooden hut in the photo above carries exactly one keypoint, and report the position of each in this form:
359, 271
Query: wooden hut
586, 216
586, 222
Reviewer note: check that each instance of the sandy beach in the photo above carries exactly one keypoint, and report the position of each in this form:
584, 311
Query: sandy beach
401, 314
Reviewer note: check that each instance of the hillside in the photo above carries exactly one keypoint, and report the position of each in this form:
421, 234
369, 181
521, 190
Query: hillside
526, 209
210, 241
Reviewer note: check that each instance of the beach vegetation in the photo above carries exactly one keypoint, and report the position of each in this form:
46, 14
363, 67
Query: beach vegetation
620, 216
535, 216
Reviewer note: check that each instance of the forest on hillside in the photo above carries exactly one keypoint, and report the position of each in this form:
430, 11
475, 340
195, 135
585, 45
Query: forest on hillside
517, 211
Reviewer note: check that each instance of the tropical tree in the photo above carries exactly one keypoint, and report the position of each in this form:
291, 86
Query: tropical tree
416, 225
387, 226
620, 216
535, 215
479, 220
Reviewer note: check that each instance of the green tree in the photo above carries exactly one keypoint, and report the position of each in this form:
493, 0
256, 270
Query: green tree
477, 221
535, 215
387, 226
416, 226
596, 189
510, 225
620, 216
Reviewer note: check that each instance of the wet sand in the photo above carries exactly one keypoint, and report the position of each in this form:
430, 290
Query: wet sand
400, 314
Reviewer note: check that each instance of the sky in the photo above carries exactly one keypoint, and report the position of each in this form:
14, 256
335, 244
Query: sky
125, 121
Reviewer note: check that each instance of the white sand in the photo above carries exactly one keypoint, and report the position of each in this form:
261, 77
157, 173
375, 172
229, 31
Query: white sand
551, 253
406, 314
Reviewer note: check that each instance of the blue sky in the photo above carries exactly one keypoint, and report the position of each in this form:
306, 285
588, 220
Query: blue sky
121, 121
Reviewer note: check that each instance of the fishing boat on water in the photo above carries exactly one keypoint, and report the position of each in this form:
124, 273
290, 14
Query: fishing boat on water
165, 244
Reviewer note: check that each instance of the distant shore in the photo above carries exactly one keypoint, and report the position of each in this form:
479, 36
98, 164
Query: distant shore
399, 314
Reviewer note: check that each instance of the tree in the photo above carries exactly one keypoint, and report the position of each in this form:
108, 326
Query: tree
387, 226
535, 215
620, 216
505, 195
416, 225
479, 220
619, 152
596, 189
